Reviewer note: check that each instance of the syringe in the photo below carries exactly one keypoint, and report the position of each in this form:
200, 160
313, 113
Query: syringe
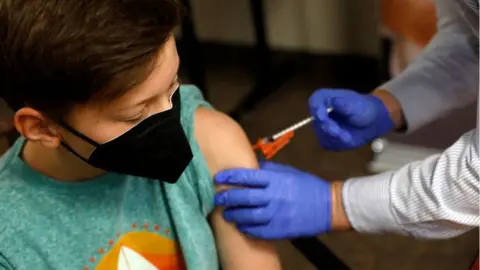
293, 127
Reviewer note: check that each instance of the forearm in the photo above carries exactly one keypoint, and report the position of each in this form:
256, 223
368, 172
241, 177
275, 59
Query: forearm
340, 220
433, 198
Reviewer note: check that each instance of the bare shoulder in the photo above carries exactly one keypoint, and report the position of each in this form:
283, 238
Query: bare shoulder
222, 141
225, 145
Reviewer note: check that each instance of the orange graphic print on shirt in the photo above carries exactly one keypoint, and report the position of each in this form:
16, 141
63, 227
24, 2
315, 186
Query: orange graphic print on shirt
143, 250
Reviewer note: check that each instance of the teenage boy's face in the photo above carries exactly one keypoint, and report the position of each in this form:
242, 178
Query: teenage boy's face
106, 122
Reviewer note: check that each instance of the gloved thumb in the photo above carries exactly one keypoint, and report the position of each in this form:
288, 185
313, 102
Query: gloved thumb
346, 106
268, 165
277, 167
243, 177
354, 110
319, 102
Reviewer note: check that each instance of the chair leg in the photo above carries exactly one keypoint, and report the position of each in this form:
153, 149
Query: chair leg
318, 254
267, 80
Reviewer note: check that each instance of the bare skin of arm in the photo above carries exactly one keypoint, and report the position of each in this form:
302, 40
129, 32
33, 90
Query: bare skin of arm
339, 217
393, 107
225, 146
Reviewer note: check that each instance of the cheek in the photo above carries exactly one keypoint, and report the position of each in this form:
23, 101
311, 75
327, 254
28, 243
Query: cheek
100, 132
104, 131
97, 128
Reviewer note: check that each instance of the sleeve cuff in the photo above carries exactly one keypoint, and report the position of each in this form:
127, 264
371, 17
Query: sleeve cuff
412, 98
367, 204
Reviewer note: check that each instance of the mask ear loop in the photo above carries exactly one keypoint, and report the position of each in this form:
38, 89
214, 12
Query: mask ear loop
78, 134
123, 195
73, 151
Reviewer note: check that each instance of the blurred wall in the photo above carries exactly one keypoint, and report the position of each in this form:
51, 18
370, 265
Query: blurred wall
322, 26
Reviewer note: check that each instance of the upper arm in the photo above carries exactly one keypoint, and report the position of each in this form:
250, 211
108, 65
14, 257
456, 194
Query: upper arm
445, 75
224, 145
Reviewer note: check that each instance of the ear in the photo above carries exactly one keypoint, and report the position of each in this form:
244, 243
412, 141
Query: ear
32, 125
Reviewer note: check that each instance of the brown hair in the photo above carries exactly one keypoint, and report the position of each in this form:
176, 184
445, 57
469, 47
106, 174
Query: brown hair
58, 53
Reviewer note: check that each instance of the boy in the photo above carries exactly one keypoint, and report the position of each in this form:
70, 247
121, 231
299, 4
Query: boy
110, 172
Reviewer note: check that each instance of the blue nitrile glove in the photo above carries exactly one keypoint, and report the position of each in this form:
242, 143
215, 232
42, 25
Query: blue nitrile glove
275, 202
356, 118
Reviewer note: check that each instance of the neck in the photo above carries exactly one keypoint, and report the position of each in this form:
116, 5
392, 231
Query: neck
58, 163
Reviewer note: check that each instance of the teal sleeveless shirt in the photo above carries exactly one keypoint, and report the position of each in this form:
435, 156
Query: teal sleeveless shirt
110, 222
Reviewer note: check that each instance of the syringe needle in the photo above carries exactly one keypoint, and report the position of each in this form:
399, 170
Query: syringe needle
294, 127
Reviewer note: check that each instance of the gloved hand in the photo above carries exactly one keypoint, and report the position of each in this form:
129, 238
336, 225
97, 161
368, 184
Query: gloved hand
356, 118
278, 202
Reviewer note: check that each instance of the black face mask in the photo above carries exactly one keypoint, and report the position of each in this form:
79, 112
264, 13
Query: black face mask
155, 148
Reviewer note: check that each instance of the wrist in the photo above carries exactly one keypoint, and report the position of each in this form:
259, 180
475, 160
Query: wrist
394, 107
339, 219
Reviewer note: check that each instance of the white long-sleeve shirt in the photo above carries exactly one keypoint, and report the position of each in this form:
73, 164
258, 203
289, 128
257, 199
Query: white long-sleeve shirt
437, 197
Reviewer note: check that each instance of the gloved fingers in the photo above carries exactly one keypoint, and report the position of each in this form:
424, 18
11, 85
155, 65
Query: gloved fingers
328, 127
340, 137
319, 113
277, 167
319, 102
329, 142
359, 111
241, 197
332, 129
343, 105
243, 177
348, 106
255, 215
